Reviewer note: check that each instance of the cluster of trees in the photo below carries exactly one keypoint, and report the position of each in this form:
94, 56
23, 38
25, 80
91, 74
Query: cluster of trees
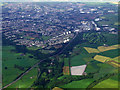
45, 77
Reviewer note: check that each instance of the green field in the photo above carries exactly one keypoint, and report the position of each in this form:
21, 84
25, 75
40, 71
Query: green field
77, 60
112, 19
10, 59
78, 84
112, 39
81, 57
26, 81
110, 53
66, 62
46, 37
92, 67
109, 83
33, 48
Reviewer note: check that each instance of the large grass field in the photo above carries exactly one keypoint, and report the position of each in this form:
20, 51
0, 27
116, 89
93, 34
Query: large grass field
10, 59
78, 84
112, 39
110, 53
77, 60
111, 20
27, 80
81, 58
109, 83
66, 61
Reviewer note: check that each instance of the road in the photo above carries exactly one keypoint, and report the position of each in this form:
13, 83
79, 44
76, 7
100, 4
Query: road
37, 64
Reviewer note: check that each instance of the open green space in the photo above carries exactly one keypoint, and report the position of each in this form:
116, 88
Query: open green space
66, 61
109, 83
110, 53
92, 67
46, 37
27, 80
33, 48
77, 60
13, 64
111, 20
81, 57
78, 84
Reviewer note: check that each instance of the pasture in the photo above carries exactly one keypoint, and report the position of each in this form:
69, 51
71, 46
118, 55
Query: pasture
13, 64
66, 62
111, 53
27, 80
109, 83
78, 60
78, 84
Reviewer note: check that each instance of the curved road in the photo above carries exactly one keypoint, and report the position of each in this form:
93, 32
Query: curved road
37, 64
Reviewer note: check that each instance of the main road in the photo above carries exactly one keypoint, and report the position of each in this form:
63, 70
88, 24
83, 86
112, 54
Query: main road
37, 64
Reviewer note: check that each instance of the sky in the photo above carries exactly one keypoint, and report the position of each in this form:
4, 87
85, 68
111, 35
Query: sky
59, 0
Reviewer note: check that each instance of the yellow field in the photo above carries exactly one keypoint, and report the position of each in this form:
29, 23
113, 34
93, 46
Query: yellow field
91, 50
103, 48
113, 63
101, 58
116, 59
116, 64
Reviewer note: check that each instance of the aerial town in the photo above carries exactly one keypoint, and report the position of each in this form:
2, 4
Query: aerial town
48, 25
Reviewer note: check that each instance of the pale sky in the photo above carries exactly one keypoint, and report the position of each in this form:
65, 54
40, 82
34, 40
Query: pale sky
59, 0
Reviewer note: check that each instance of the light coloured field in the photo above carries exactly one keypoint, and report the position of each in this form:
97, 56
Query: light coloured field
101, 48
101, 58
91, 50
78, 70
106, 48
115, 64
116, 59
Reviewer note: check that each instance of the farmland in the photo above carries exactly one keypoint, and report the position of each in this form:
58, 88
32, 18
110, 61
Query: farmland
111, 19
101, 58
91, 50
78, 84
103, 48
14, 63
107, 83
62, 48
114, 63
116, 59
66, 70
27, 80
111, 53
